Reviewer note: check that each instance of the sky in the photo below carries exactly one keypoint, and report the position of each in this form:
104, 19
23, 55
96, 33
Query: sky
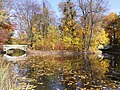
113, 5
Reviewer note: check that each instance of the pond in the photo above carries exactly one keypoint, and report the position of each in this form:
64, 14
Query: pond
61, 72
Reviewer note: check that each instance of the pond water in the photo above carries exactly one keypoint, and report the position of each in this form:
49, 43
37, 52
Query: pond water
70, 72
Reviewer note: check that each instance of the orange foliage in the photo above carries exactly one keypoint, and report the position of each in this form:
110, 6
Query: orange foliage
5, 30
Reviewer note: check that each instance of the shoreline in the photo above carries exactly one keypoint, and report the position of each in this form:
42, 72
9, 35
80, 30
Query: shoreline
61, 52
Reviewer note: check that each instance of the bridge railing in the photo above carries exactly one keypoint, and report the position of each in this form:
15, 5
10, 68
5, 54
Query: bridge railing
22, 47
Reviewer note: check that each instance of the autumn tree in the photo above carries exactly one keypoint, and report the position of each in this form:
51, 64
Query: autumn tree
43, 19
45, 22
6, 27
99, 38
42, 22
112, 27
51, 42
23, 11
69, 25
32, 17
91, 13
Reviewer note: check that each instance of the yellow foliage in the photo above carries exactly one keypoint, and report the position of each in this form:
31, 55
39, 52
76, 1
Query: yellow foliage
111, 17
76, 41
66, 28
99, 67
100, 37
67, 40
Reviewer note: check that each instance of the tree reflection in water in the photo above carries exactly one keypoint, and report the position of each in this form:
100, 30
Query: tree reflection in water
69, 73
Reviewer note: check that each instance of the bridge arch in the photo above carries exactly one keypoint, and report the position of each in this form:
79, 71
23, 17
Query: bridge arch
8, 47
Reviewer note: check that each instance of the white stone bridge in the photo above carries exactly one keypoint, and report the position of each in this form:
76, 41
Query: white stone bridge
15, 58
8, 47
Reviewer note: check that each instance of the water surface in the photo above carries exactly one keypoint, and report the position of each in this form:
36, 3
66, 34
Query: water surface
70, 72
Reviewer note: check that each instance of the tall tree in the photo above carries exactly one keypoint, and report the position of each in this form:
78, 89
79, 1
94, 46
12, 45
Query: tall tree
45, 19
30, 14
41, 23
23, 11
91, 13
69, 25
112, 27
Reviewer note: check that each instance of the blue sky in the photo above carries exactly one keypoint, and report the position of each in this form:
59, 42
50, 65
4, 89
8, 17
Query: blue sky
113, 5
